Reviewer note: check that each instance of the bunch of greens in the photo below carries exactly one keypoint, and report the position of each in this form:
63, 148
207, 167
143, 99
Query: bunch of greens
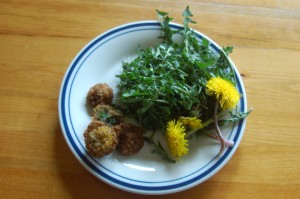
169, 80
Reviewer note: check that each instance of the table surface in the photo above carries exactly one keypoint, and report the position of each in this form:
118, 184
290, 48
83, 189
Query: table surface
40, 38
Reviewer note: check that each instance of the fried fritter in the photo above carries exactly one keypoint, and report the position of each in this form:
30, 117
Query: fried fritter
131, 138
100, 94
100, 139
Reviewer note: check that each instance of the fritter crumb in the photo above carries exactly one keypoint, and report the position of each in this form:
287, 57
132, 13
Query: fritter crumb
100, 139
100, 94
131, 138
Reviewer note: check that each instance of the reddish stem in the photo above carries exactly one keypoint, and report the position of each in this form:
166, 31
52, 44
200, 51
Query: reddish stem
215, 136
219, 134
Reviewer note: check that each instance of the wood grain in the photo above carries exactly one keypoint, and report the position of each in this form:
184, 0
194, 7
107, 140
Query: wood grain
40, 38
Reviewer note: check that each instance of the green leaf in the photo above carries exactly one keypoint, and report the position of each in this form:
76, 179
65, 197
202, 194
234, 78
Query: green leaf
236, 117
205, 42
187, 12
159, 149
228, 50
161, 13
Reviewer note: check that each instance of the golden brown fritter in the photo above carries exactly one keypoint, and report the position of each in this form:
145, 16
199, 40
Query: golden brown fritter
100, 139
131, 138
100, 94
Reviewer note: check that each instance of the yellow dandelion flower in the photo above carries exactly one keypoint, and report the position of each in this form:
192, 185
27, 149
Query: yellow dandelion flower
191, 122
175, 134
224, 91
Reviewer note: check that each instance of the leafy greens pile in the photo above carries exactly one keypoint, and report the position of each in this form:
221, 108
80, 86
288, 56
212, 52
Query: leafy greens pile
169, 80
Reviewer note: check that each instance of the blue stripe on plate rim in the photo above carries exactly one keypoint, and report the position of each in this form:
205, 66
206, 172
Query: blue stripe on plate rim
134, 187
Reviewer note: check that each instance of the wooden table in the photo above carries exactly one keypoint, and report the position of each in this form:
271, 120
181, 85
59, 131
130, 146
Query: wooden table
38, 40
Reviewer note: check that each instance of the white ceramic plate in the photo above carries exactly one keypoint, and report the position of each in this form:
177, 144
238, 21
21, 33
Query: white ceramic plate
144, 173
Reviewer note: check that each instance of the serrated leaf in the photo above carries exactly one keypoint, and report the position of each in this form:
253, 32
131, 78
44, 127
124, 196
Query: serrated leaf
236, 117
228, 50
161, 13
187, 12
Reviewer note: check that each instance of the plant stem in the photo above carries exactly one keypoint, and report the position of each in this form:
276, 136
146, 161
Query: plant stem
218, 129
